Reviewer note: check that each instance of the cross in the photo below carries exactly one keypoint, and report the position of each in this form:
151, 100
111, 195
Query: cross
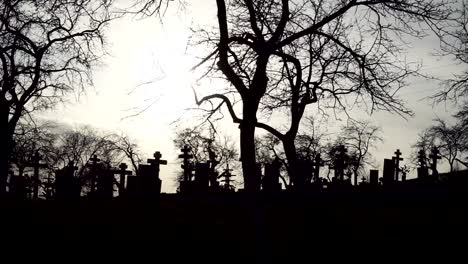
71, 167
340, 162
35, 163
48, 188
397, 159
157, 161
434, 156
122, 172
186, 166
317, 163
422, 158
94, 160
227, 177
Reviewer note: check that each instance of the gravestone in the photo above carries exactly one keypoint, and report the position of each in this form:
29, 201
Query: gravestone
339, 164
304, 171
271, 179
397, 158
187, 166
317, 163
226, 178
388, 172
122, 172
148, 184
132, 186
434, 156
213, 162
93, 164
18, 187
374, 177
422, 170
66, 185
202, 172
105, 184
36, 165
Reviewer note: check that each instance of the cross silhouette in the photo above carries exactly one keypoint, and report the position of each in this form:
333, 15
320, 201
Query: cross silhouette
422, 158
94, 160
157, 161
397, 160
317, 163
186, 166
35, 163
434, 156
122, 173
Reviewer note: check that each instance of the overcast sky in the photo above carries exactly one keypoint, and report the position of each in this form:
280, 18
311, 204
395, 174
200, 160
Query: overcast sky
146, 51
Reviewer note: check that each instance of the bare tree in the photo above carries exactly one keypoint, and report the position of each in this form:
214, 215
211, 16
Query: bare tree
360, 137
303, 52
205, 142
30, 138
455, 44
47, 48
449, 139
127, 146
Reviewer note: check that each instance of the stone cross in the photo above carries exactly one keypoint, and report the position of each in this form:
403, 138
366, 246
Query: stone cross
317, 163
339, 165
186, 166
227, 177
122, 173
35, 163
422, 158
94, 161
397, 160
434, 156
157, 162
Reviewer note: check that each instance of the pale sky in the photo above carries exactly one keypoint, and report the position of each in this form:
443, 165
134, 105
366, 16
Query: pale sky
144, 50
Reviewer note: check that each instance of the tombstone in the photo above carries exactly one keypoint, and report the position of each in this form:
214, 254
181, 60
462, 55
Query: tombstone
132, 186
202, 172
434, 156
213, 162
36, 165
187, 166
48, 188
374, 177
66, 185
388, 172
226, 178
18, 187
339, 164
93, 164
271, 179
422, 170
105, 184
122, 172
397, 160
304, 171
317, 163
157, 162
148, 185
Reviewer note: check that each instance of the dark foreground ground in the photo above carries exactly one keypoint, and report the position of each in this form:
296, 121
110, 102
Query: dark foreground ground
220, 225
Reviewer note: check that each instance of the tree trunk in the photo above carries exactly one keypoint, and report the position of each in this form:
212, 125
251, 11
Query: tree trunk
5, 152
290, 152
6, 145
247, 147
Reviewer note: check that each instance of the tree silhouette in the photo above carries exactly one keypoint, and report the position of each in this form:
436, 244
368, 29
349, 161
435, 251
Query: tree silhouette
359, 137
455, 43
450, 140
205, 142
323, 54
47, 48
